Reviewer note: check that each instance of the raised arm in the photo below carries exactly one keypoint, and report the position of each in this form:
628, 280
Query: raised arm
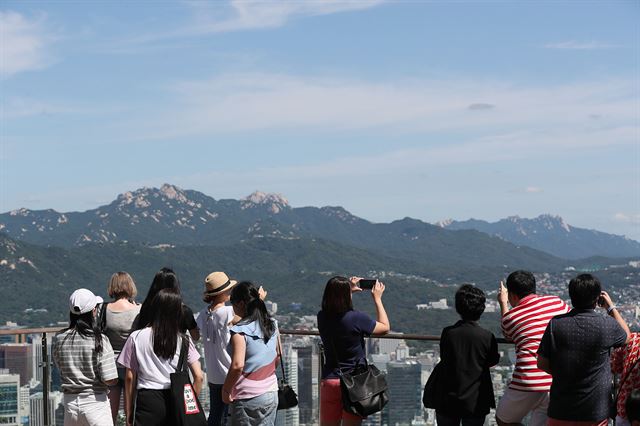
613, 312
382, 321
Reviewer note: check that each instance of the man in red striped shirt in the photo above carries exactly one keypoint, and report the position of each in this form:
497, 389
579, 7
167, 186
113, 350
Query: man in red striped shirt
525, 324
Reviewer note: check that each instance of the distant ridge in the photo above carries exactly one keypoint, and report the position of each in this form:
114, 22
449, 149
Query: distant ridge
553, 235
179, 217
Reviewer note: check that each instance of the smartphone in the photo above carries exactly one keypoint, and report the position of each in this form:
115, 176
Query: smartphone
366, 284
600, 301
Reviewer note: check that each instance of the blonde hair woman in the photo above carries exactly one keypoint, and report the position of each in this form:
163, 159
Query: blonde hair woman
117, 320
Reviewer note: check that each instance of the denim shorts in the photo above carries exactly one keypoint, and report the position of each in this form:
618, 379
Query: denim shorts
259, 410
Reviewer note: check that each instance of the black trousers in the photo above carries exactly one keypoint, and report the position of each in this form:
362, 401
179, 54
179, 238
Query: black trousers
154, 408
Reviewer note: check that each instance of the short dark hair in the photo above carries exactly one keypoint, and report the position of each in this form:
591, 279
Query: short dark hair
521, 283
632, 406
470, 302
336, 298
584, 291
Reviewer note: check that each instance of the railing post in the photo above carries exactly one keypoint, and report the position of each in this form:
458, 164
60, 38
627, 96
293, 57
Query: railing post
45, 381
320, 364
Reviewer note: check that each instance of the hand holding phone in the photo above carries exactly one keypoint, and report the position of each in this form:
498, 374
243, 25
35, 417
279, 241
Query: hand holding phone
366, 284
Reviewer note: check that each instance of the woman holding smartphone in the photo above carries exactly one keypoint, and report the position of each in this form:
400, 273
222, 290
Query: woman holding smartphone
342, 330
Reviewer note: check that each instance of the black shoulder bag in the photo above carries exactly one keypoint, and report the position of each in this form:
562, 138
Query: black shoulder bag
287, 397
364, 388
432, 396
187, 408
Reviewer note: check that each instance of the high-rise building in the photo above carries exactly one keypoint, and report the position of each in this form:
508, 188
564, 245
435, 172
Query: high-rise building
308, 371
23, 404
36, 417
405, 391
291, 416
9, 399
36, 351
17, 358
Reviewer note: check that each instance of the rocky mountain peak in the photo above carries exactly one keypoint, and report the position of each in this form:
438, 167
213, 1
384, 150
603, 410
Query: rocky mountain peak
444, 223
274, 202
552, 221
172, 192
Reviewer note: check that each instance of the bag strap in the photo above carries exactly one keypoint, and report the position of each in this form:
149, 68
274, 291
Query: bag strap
102, 320
184, 349
284, 375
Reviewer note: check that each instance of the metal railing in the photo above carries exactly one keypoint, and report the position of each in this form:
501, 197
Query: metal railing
46, 362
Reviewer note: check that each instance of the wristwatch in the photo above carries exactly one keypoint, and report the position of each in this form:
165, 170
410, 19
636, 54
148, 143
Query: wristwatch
610, 309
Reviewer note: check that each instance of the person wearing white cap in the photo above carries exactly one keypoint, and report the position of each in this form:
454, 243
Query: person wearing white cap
87, 367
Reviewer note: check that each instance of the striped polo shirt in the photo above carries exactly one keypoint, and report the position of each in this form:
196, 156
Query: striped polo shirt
82, 370
259, 371
525, 325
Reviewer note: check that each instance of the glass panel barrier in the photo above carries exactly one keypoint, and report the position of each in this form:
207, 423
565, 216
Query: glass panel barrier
28, 398
407, 369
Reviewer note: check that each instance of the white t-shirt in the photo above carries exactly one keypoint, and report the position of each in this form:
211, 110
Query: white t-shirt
153, 372
214, 331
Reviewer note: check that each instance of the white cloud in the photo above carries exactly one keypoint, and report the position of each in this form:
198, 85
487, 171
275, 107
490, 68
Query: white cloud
23, 43
256, 14
577, 45
261, 101
241, 15
627, 218
532, 190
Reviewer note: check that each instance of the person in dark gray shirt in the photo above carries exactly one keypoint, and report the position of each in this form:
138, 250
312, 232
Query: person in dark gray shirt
575, 350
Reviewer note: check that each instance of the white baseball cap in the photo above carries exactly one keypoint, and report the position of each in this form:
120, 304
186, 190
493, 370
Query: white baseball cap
82, 301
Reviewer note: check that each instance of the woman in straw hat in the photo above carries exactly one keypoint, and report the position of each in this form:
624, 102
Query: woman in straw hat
214, 322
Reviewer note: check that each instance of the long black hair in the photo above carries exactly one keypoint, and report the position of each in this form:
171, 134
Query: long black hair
165, 322
255, 309
85, 326
336, 298
165, 278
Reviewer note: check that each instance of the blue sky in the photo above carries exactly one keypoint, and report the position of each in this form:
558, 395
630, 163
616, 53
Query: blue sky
432, 110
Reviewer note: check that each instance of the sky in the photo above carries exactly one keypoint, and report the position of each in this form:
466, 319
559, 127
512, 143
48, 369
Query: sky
426, 109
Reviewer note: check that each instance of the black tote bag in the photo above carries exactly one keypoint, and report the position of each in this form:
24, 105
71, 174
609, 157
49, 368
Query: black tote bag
433, 392
187, 408
364, 390
287, 397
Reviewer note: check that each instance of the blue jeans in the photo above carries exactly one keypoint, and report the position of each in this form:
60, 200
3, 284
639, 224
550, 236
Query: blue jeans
218, 409
256, 411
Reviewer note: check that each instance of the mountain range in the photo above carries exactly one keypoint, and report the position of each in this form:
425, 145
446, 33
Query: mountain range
170, 215
45, 254
553, 235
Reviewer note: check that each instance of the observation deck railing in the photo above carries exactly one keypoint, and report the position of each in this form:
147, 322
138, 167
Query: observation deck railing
45, 363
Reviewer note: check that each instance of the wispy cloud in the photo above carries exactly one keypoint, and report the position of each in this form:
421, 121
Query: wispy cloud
580, 45
527, 190
241, 15
627, 218
480, 107
23, 43
259, 101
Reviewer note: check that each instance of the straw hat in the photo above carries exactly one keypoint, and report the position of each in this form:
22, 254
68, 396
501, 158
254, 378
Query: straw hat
217, 282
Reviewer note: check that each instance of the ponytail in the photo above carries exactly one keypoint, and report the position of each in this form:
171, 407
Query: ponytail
255, 309
84, 325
